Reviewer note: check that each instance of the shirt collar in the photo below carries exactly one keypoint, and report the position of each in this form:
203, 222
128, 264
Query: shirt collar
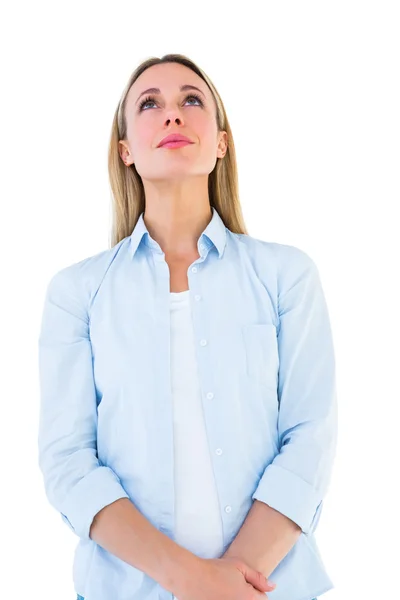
213, 234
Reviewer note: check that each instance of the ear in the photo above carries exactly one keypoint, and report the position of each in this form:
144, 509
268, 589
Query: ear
124, 153
222, 144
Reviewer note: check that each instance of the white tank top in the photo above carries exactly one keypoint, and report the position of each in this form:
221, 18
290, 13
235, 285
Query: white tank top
198, 525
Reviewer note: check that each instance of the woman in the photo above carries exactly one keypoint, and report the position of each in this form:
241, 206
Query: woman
188, 403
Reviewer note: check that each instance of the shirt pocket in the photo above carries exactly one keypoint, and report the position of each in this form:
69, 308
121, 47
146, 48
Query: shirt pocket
261, 353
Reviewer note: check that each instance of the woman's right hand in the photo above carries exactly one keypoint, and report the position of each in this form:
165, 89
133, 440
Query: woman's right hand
227, 578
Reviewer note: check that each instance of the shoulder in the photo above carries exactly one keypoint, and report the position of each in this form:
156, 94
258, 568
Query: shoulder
287, 258
83, 278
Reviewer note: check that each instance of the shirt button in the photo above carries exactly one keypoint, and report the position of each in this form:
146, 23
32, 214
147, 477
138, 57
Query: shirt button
228, 509
203, 342
218, 451
210, 395
194, 269
202, 246
197, 297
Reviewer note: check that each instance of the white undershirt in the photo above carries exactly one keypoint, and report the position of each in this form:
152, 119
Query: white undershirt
198, 525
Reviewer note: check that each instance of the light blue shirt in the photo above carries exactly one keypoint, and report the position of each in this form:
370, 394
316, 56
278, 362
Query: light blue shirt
266, 368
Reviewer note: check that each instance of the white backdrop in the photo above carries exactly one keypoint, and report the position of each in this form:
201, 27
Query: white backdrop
312, 94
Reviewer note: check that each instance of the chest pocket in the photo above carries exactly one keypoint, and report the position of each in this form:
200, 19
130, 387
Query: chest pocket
261, 349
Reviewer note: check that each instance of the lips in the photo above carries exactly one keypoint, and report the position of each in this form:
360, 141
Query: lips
174, 137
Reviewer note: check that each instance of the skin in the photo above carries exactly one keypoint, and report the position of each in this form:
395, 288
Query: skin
175, 180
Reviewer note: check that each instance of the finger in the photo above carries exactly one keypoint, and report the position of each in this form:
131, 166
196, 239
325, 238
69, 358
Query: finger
259, 581
267, 583
256, 595
263, 583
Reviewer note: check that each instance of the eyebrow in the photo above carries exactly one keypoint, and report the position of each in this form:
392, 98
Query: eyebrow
183, 88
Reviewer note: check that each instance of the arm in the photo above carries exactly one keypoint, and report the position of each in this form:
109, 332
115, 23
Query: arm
76, 483
88, 495
121, 529
294, 485
264, 539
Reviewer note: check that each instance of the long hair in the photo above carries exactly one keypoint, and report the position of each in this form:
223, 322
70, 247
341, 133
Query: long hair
128, 197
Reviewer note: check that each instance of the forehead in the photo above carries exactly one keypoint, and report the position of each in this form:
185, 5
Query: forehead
168, 77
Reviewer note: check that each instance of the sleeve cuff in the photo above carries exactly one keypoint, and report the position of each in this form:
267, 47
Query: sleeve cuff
93, 492
290, 495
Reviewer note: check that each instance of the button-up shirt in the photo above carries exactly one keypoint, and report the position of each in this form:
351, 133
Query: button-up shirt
266, 372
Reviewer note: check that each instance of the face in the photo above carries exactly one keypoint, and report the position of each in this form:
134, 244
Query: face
190, 112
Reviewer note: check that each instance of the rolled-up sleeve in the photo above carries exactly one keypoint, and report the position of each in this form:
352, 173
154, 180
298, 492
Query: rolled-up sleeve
76, 483
296, 482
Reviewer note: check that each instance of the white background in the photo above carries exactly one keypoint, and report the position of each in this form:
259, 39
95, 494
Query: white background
312, 95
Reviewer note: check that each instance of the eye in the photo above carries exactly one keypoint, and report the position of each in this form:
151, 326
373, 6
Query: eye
150, 99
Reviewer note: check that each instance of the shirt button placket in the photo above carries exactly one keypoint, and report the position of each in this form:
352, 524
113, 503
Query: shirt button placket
209, 395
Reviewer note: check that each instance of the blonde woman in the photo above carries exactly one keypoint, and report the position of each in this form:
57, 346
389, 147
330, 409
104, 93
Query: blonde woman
188, 416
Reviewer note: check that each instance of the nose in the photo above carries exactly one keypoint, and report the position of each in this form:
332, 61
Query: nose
177, 120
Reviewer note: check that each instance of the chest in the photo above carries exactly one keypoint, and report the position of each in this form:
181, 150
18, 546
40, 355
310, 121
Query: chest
232, 317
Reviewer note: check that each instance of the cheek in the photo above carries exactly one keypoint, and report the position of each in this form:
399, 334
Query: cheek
207, 132
208, 141
143, 135
146, 138
203, 125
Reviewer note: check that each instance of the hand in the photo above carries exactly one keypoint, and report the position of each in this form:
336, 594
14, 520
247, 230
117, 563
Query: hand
225, 578
256, 578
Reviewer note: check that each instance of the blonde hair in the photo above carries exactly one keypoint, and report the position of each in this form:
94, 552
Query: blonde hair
128, 198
